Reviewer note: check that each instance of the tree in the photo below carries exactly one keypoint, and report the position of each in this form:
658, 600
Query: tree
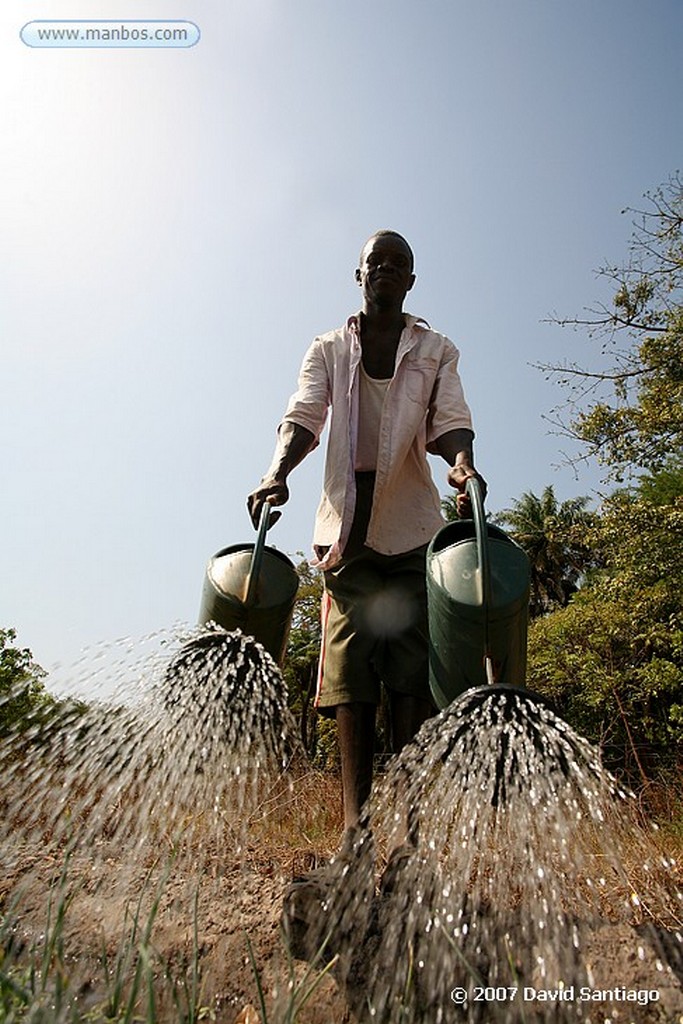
629, 415
664, 486
22, 693
612, 660
554, 537
301, 663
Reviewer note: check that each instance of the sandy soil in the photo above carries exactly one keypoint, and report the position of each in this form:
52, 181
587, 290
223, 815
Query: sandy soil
210, 913
153, 846
219, 926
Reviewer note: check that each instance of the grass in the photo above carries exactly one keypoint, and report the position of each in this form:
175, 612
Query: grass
133, 979
52, 974
26, 986
661, 802
38, 984
299, 820
300, 991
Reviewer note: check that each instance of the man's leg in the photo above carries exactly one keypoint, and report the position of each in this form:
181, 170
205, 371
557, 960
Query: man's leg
356, 733
405, 662
408, 713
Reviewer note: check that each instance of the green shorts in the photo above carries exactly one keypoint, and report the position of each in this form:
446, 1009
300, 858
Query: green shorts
374, 620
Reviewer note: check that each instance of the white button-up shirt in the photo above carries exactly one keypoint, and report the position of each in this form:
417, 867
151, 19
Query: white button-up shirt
424, 400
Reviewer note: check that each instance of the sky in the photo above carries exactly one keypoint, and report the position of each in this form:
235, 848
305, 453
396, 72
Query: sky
179, 223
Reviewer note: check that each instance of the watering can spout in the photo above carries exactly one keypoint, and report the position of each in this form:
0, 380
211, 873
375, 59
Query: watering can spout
478, 583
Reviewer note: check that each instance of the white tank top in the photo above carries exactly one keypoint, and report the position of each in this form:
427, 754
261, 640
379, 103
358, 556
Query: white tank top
371, 402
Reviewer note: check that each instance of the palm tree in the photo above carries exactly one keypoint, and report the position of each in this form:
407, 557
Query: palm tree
554, 537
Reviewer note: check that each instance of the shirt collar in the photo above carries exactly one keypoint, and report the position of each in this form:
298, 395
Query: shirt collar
353, 322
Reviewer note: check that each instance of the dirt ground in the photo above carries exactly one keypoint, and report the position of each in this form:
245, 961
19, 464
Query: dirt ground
218, 928
146, 855
218, 923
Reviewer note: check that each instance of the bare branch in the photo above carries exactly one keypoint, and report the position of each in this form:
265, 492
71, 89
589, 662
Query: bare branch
579, 372
608, 320
628, 415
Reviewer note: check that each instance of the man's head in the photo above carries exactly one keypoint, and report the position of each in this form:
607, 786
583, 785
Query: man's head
390, 236
385, 271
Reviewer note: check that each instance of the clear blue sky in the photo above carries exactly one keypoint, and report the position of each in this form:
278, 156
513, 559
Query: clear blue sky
178, 224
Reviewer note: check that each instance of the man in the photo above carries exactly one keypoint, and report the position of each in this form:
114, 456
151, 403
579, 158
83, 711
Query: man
394, 392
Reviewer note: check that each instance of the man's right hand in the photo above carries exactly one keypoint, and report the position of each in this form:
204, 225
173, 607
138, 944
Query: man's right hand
275, 492
294, 442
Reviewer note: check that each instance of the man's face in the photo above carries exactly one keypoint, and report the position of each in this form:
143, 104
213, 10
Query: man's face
386, 270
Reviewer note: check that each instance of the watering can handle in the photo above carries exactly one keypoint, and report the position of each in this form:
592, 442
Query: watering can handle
257, 556
473, 490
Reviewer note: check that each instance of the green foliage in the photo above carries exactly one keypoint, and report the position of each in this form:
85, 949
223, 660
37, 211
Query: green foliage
449, 508
553, 535
28, 712
305, 634
301, 663
663, 487
647, 421
612, 661
22, 693
613, 658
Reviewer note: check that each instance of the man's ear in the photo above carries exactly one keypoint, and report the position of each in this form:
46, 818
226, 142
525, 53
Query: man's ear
357, 276
412, 282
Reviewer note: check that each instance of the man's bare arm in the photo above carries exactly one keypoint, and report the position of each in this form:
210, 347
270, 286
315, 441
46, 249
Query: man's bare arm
456, 447
294, 442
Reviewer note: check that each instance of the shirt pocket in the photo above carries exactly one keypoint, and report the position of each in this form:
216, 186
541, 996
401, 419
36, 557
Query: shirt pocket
419, 376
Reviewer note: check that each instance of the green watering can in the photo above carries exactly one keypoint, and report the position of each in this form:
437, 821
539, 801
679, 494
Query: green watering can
253, 588
478, 584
